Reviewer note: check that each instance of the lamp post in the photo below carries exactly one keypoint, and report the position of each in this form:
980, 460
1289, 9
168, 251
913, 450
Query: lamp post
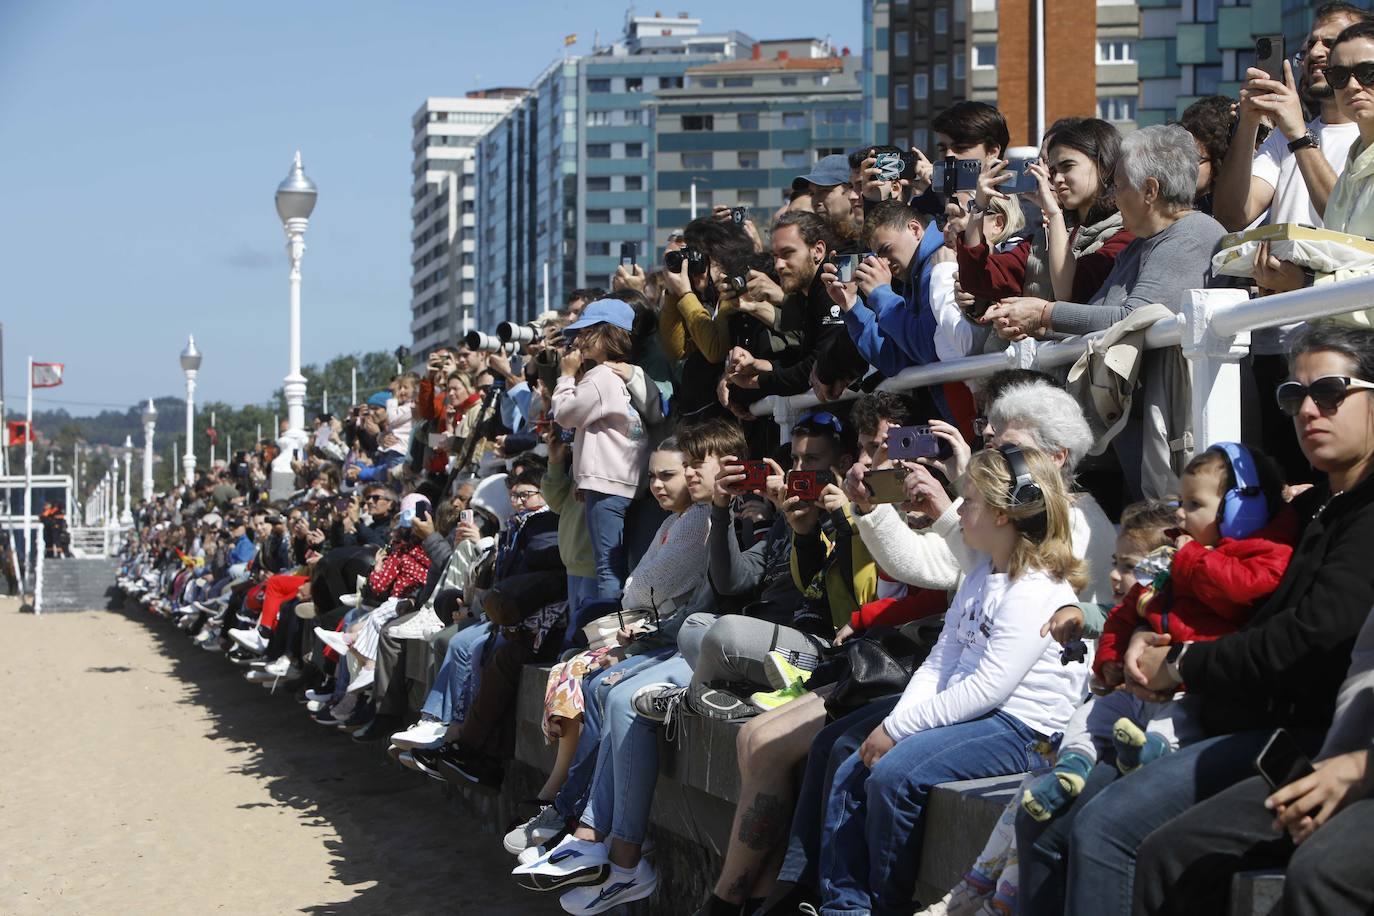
126, 518
190, 364
149, 424
295, 202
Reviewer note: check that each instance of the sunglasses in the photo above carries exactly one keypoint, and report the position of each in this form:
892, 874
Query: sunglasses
1302, 54
820, 420
1326, 392
377, 497
1339, 77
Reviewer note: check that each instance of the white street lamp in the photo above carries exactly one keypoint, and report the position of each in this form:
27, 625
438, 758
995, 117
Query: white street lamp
149, 424
295, 202
190, 364
126, 518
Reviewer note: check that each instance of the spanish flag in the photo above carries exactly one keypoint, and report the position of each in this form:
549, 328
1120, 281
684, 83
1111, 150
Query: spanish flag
569, 40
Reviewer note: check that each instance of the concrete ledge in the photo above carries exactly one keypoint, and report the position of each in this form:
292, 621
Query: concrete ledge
1256, 893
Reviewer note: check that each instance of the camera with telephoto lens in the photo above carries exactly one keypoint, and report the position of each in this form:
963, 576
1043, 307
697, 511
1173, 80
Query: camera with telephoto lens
696, 261
510, 332
481, 342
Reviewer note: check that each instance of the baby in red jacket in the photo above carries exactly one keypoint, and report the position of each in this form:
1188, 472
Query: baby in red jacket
1233, 545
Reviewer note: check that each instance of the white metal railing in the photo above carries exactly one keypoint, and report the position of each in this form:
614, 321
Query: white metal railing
1211, 325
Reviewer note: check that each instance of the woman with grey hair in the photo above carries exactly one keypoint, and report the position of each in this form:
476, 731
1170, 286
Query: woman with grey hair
1156, 178
1031, 415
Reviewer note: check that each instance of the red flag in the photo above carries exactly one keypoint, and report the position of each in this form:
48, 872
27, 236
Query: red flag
47, 375
18, 432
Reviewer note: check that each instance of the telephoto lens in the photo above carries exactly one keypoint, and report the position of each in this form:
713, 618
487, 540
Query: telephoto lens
510, 332
482, 342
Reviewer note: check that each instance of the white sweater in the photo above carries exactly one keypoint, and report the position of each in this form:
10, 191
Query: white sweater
938, 556
991, 656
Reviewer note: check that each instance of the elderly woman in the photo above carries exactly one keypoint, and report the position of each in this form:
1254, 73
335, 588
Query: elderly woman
1156, 179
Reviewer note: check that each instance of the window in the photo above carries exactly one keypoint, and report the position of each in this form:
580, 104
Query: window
634, 215
920, 86
984, 57
1117, 108
598, 118
793, 120
1205, 11
698, 122
696, 160
1206, 80
941, 77
598, 249
634, 84
737, 82
901, 97
703, 198
634, 116
1115, 52
634, 150
707, 82
598, 183
959, 65
941, 21
901, 43
795, 158
789, 81
600, 85
749, 159
748, 122
634, 182
598, 216
598, 151
920, 139
670, 82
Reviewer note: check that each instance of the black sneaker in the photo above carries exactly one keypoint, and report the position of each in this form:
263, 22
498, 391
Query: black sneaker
470, 767
427, 762
714, 701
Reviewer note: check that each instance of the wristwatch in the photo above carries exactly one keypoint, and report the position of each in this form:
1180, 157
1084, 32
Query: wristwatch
1306, 141
1174, 658
975, 208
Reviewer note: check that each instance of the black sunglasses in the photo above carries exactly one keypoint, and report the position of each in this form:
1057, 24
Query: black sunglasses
1339, 77
1326, 392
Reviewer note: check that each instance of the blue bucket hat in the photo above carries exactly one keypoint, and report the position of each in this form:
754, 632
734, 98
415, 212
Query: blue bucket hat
603, 311
828, 172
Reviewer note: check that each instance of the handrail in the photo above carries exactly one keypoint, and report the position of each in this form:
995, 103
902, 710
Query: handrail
1308, 304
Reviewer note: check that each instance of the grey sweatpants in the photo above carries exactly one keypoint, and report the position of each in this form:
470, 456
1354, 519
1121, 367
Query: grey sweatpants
732, 648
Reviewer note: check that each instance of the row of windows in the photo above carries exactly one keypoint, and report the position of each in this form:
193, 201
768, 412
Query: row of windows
744, 82
449, 140
1109, 51
609, 118
791, 120
463, 117
635, 83
745, 159
922, 84
632, 215
1117, 108
603, 183
603, 150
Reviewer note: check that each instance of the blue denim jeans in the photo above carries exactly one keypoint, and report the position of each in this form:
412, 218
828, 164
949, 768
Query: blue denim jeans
622, 788
596, 687
871, 843
606, 528
1083, 861
832, 746
456, 682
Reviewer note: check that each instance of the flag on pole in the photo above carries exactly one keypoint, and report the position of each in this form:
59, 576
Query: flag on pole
47, 375
18, 432
569, 39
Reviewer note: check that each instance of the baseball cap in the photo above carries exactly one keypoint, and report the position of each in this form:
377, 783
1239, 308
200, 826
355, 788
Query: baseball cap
828, 172
604, 311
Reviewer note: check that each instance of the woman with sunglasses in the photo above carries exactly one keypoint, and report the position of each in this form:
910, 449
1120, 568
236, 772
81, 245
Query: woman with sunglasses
1283, 669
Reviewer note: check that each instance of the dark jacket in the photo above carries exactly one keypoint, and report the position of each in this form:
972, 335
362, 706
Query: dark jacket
529, 545
762, 574
373, 535
1286, 665
824, 339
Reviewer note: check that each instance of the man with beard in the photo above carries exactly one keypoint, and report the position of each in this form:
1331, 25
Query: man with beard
833, 198
1290, 176
801, 242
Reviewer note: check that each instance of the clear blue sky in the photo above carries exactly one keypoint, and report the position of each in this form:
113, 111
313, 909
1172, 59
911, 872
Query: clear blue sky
142, 142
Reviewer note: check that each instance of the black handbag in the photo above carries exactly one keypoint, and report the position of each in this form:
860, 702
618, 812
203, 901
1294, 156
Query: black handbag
877, 664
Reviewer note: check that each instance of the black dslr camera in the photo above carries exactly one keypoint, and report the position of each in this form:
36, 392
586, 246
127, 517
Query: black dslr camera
696, 261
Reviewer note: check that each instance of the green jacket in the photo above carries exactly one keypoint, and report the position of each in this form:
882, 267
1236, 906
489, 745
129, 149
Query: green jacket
574, 543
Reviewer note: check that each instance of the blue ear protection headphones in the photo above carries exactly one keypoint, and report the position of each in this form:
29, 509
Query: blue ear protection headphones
1024, 491
1244, 510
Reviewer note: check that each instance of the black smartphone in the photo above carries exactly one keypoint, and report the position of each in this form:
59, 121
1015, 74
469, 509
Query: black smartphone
1269, 55
911, 442
1282, 761
628, 252
954, 175
1024, 183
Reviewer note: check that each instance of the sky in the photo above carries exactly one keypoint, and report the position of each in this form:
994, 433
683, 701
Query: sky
141, 143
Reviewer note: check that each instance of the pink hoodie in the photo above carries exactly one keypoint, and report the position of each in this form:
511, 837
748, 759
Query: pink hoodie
610, 451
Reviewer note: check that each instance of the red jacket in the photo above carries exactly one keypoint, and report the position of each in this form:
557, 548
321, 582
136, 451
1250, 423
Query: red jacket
893, 612
1210, 592
999, 275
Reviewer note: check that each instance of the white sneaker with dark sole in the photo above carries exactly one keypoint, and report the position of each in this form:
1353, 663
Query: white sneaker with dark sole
620, 886
571, 862
537, 831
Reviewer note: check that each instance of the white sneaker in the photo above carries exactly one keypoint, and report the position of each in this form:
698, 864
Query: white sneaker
305, 610
315, 705
209, 634
283, 668
363, 680
250, 639
537, 831
572, 861
350, 600
333, 639
619, 887
319, 696
427, 733
422, 626
260, 676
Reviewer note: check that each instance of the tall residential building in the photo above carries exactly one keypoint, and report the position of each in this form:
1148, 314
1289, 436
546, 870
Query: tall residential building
1191, 49
743, 129
443, 194
566, 175
927, 64
877, 64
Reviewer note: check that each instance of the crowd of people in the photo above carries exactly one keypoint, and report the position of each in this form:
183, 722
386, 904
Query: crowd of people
1072, 588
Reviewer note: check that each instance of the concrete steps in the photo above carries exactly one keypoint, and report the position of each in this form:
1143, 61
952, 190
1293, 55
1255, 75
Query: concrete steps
78, 584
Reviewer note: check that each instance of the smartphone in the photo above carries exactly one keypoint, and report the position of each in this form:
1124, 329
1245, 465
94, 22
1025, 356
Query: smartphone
628, 251
1269, 55
467, 517
565, 435
887, 485
738, 215
954, 175
895, 166
912, 442
755, 477
845, 265
405, 518
1024, 183
807, 485
1282, 761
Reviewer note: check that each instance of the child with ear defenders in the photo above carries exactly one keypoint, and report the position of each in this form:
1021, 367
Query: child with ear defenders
1228, 554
